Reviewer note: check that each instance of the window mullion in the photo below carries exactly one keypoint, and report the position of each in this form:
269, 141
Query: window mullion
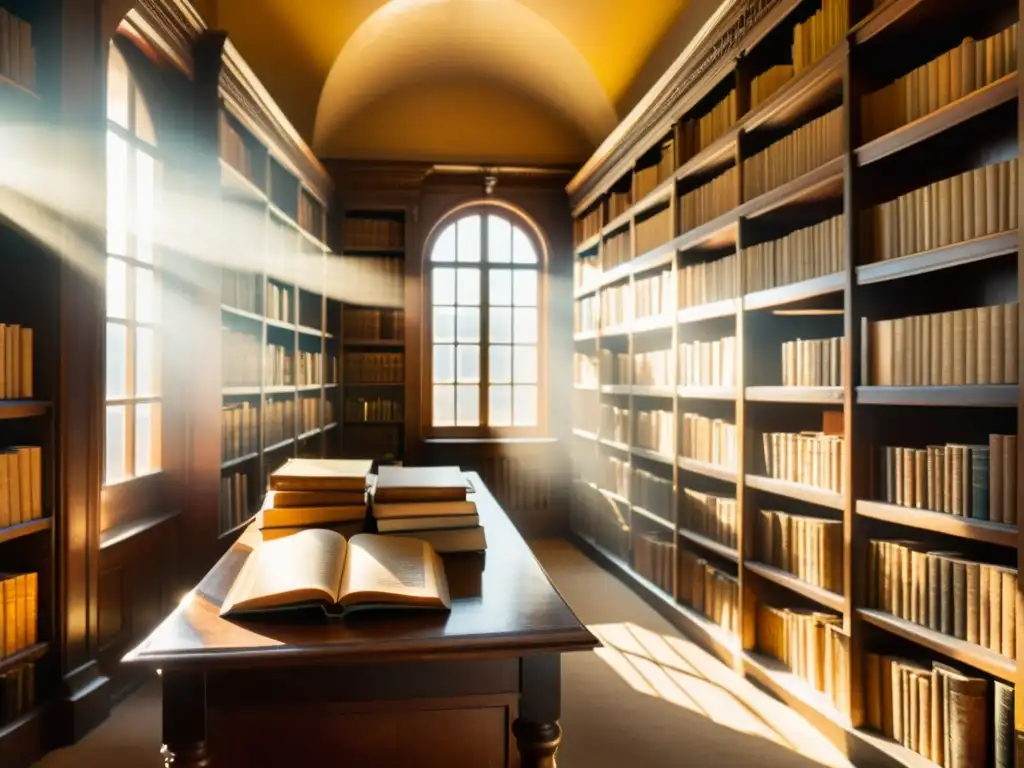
485, 306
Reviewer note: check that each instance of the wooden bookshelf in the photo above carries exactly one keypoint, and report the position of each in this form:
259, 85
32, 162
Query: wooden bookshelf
839, 189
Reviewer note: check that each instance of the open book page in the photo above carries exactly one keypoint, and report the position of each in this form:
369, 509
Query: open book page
301, 568
393, 570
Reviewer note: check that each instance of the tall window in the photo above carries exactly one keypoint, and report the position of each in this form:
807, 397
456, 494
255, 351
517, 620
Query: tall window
485, 301
132, 433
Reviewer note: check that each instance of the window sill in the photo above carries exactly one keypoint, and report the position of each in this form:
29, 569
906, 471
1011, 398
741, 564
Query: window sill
121, 533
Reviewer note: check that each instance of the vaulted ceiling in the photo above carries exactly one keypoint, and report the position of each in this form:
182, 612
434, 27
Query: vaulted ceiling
539, 81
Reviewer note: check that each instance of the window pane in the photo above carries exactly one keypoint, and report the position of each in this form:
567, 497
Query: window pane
146, 296
525, 287
117, 360
117, 195
500, 371
468, 357
500, 325
144, 181
467, 405
117, 288
526, 326
500, 404
523, 251
143, 121
469, 324
500, 287
115, 436
444, 285
526, 365
444, 363
444, 324
444, 406
145, 363
525, 406
117, 88
444, 246
469, 286
499, 240
469, 238
147, 438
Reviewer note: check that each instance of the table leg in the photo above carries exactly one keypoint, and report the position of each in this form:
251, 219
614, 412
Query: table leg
540, 705
184, 720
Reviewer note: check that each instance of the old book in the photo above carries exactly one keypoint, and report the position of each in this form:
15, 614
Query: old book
473, 540
1008, 587
318, 567
1010, 479
984, 320
298, 517
995, 609
970, 345
427, 523
997, 330
1011, 336
995, 465
317, 498
1003, 724
411, 484
424, 509
321, 475
972, 600
968, 727
959, 347
959, 582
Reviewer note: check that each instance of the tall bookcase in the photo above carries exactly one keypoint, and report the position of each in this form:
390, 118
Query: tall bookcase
797, 362
280, 345
373, 242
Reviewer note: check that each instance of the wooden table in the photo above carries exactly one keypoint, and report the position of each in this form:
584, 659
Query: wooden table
410, 689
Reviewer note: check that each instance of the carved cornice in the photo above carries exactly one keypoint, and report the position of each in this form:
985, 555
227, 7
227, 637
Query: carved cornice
250, 102
720, 39
170, 26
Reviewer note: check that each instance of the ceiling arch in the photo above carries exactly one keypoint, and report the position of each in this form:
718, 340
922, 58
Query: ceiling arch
503, 43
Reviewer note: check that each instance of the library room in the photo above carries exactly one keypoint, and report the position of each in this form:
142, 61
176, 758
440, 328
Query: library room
521, 383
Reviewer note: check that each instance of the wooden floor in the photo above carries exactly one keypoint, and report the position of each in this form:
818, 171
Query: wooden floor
648, 698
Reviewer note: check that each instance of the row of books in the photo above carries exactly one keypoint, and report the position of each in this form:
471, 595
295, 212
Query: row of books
655, 431
816, 36
647, 179
709, 201
309, 413
17, 693
16, 353
278, 421
381, 280
616, 249
654, 231
279, 302
240, 290
586, 270
768, 82
946, 592
978, 345
811, 548
235, 505
652, 492
614, 366
586, 226
713, 441
233, 149
939, 711
19, 619
801, 151
614, 423
808, 458
652, 369
619, 201
239, 430
21, 484
955, 73
615, 306
708, 363
801, 255
709, 515
652, 296
240, 358
653, 553
709, 591
586, 314
313, 365
373, 324
613, 475
699, 133
374, 367
17, 54
973, 204
709, 281
365, 232
373, 409
278, 366
813, 362
585, 370
812, 645
310, 215
975, 481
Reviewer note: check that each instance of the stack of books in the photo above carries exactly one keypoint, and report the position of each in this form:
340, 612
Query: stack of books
428, 503
316, 493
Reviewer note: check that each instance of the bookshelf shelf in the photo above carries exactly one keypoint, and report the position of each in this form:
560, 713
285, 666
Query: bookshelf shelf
965, 108
651, 391
710, 311
653, 323
615, 389
307, 331
584, 434
716, 233
824, 182
824, 395
396, 343
332, 425
720, 151
708, 470
652, 517
309, 433
822, 81
12, 532
617, 330
585, 336
784, 579
228, 463
660, 194
706, 393
969, 396
797, 491
309, 388
729, 553
795, 292
955, 255
617, 497
24, 656
940, 522
23, 409
650, 455
619, 222
241, 391
618, 446
279, 445
244, 314
589, 244
369, 251
973, 655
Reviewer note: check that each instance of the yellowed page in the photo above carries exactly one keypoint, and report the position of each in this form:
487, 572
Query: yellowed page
392, 569
290, 570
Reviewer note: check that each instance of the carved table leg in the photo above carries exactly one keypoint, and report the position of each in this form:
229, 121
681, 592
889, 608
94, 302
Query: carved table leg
184, 720
540, 705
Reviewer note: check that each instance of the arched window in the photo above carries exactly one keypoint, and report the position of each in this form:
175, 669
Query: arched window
485, 329
132, 434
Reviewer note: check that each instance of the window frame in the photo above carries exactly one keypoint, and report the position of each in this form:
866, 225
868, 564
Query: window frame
518, 219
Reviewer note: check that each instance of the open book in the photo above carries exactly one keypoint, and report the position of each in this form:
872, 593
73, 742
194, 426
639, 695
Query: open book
317, 566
